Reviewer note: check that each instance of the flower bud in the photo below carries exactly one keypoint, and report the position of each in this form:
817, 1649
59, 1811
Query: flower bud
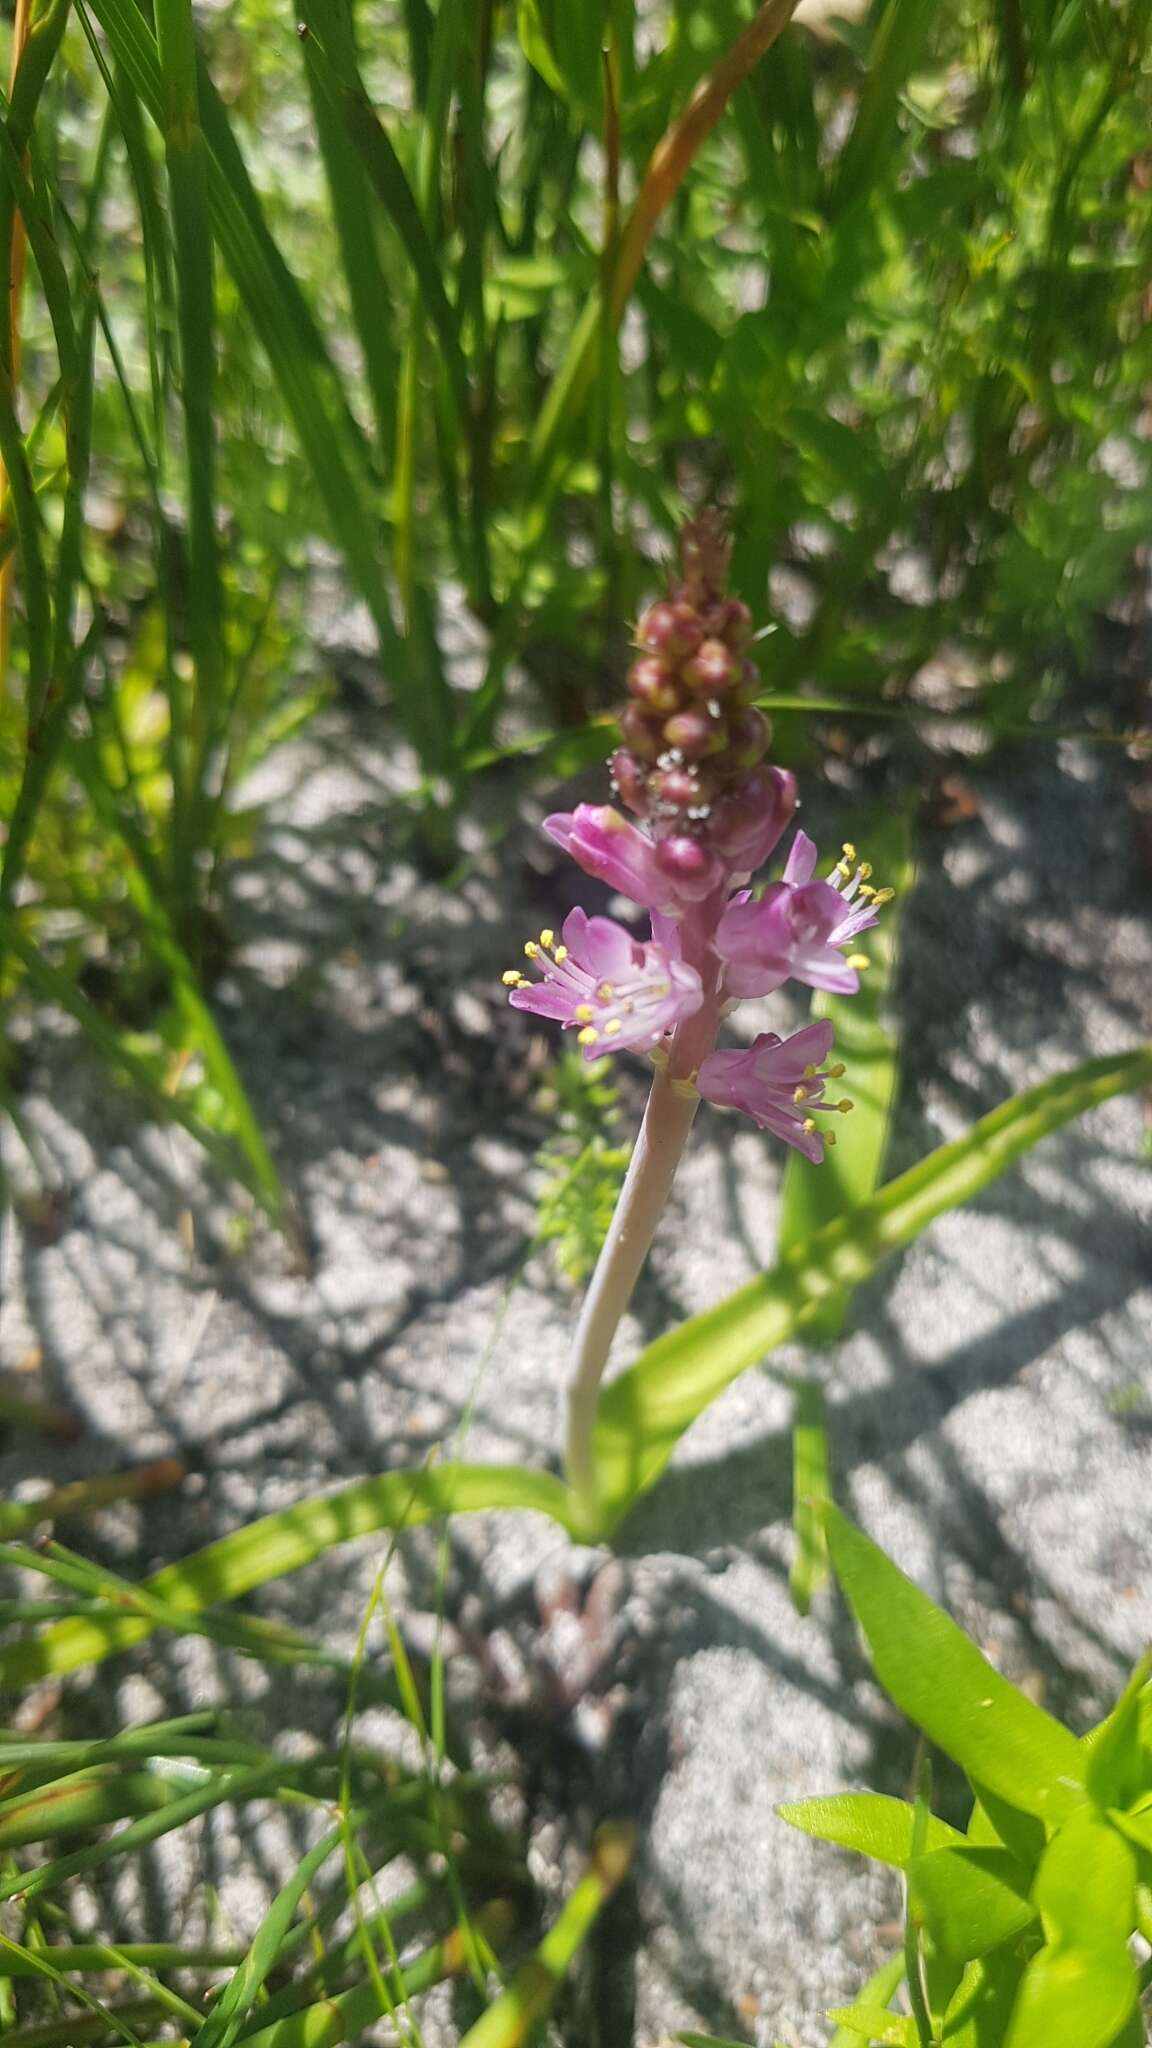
694, 734
651, 683
671, 629
749, 733
690, 864
642, 734
629, 780
737, 625
747, 821
683, 788
713, 667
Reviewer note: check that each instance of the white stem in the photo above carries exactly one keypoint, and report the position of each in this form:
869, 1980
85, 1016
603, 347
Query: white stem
651, 1171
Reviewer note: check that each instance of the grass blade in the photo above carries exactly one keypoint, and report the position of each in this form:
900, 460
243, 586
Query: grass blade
645, 1412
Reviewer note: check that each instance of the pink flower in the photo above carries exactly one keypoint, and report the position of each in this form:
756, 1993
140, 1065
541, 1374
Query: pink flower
659, 875
798, 929
623, 995
777, 1082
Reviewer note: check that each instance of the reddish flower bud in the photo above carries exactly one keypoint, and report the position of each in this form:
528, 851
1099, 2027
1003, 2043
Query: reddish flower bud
630, 781
712, 668
651, 683
643, 734
683, 788
691, 865
737, 624
749, 733
670, 629
694, 734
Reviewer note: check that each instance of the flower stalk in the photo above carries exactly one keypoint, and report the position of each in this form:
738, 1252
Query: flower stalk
710, 810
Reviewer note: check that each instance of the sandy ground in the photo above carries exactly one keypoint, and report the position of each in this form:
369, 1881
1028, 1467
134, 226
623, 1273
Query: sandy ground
991, 1399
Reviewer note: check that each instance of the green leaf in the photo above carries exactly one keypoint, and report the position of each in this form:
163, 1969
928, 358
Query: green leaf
877, 1993
282, 1543
1082, 1986
970, 1900
997, 1820
872, 2023
1117, 1771
870, 1823
868, 1044
646, 1410
810, 1484
978, 2012
938, 1677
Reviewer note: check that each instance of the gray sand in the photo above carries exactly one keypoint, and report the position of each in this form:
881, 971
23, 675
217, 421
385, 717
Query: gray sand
992, 1397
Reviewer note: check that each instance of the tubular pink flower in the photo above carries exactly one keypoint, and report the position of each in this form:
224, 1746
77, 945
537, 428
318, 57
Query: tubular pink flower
606, 845
620, 994
778, 1082
797, 930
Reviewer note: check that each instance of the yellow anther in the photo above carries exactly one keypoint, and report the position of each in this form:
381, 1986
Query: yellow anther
882, 896
589, 1035
583, 1013
865, 870
560, 955
512, 978
547, 938
829, 1137
808, 1126
605, 992
614, 1027
849, 852
859, 960
865, 891
846, 1105
809, 1073
834, 1073
531, 949
800, 1094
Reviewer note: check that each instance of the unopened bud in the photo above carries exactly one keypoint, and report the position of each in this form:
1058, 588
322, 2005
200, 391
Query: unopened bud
683, 788
749, 733
671, 629
694, 734
652, 685
690, 864
737, 630
629, 780
642, 734
713, 667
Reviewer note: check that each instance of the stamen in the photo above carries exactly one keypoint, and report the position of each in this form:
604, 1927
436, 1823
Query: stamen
512, 978
560, 955
829, 1137
614, 1027
589, 1035
809, 1073
865, 870
865, 890
845, 1106
531, 949
859, 960
583, 1013
808, 1126
547, 938
834, 1073
605, 993
800, 1094
849, 852
882, 896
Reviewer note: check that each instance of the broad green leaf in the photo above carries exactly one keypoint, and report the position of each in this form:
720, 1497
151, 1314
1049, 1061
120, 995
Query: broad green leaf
970, 1900
1082, 1986
644, 1413
810, 1483
870, 1823
996, 1820
867, 1042
1117, 1770
978, 2013
872, 2023
946, 1686
282, 1543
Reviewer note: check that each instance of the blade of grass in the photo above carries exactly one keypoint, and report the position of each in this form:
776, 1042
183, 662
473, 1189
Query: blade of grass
644, 1413
86, 1496
519, 2009
283, 1542
810, 1482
